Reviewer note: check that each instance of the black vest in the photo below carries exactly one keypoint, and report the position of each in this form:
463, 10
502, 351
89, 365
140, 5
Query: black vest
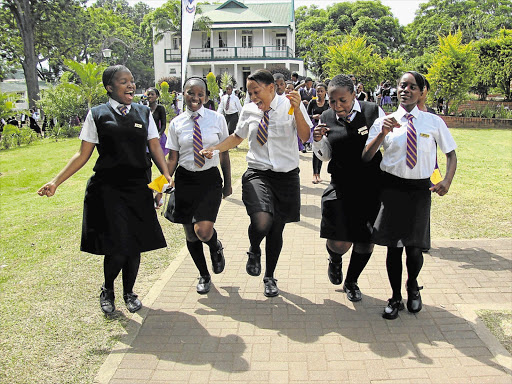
347, 142
122, 139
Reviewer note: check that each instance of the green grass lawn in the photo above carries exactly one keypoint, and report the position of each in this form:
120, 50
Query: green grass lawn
52, 330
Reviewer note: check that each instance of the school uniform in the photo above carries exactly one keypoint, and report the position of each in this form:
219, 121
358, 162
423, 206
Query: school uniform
230, 107
307, 94
350, 203
198, 191
314, 109
271, 182
404, 215
119, 217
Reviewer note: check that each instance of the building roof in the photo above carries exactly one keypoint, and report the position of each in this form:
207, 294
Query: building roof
234, 12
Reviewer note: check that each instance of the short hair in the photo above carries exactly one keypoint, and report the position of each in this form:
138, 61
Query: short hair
295, 74
262, 76
278, 76
110, 72
340, 81
289, 82
322, 85
427, 84
229, 86
308, 79
420, 80
198, 79
153, 89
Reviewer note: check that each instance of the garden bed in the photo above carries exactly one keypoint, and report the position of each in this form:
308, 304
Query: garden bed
476, 122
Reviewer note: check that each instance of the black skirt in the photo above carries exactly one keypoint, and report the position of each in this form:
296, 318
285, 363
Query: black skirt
119, 216
404, 215
275, 192
197, 196
349, 211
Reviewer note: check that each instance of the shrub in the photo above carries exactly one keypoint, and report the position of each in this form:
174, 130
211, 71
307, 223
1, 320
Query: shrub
14, 137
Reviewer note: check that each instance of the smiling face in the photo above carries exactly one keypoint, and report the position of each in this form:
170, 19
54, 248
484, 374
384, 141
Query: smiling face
261, 94
408, 91
341, 100
122, 87
195, 94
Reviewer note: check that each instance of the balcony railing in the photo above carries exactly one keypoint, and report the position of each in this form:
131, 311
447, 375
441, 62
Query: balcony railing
231, 53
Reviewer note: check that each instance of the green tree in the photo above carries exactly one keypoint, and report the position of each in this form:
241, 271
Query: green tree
89, 83
355, 56
453, 71
495, 62
37, 30
5, 106
213, 87
477, 19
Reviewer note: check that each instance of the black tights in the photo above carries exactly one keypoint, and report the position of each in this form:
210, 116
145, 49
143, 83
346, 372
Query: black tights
195, 248
263, 226
414, 262
129, 264
317, 165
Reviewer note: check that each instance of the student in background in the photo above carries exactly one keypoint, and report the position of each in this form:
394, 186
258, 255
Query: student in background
230, 107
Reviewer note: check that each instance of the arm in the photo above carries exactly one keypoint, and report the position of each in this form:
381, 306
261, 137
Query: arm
163, 121
158, 157
442, 187
303, 129
371, 149
77, 161
172, 161
220, 108
238, 105
225, 165
230, 142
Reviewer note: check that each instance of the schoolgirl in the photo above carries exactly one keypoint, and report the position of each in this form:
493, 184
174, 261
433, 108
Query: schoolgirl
270, 186
159, 115
230, 107
315, 108
119, 220
409, 138
199, 188
350, 202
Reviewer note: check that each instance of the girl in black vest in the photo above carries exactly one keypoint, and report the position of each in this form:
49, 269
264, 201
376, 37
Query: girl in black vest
119, 220
315, 108
350, 203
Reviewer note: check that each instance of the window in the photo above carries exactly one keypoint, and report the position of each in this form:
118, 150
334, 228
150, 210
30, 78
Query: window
172, 71
223, 39
205, 40
246, 38
281, 41
176, 43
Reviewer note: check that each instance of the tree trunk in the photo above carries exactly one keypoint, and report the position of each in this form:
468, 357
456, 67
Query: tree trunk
23, 14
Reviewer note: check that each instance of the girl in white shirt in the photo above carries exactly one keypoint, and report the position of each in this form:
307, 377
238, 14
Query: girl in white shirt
409, 138
199, 188
270, 186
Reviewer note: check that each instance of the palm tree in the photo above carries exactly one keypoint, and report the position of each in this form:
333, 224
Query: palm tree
89, 74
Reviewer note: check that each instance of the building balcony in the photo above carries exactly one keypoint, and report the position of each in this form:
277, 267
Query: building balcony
231, 53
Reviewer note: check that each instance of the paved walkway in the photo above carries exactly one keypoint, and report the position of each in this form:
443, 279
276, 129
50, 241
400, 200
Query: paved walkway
311, 332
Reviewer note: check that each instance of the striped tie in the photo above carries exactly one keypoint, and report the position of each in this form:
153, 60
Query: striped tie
123, 109
350, 116
227, 103
198, 143
412, 150
262, 135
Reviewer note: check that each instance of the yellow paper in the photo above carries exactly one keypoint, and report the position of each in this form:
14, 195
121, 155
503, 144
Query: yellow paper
158, 183
290, 111
436, 177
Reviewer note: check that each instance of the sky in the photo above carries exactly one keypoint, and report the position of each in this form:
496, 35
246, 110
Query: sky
403, 10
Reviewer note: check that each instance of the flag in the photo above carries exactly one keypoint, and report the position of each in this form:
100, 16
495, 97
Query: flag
188, 11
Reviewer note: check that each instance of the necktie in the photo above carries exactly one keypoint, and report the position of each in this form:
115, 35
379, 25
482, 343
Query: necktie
227, 103
262, 135
198, 143
350, 116
412, 150
123, 109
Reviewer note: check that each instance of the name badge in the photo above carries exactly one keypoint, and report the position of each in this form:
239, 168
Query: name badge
424, 135
137, 125
363, 130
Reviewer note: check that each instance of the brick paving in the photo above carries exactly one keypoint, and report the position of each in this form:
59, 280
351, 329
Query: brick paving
311, 333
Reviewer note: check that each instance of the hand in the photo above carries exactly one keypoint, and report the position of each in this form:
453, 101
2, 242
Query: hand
316, 117
441, 188
207, 152
47, 190
227, 191
320, 131
388, 124
294, 98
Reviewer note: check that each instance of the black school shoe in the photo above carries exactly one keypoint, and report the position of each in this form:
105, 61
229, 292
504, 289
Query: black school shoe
414, 303
391, 310
218, 260
253, 266
335, 272
132, 302
271, 289
352, 291
204, 285
107, 299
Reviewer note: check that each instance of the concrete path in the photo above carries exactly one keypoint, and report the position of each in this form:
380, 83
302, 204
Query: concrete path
311, 332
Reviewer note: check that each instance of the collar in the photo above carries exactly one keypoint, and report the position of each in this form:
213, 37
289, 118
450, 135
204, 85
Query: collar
355, 108
115, 104
275, 100
199, 112
401, 112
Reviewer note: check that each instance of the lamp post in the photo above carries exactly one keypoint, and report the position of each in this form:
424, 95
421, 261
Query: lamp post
106, 54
